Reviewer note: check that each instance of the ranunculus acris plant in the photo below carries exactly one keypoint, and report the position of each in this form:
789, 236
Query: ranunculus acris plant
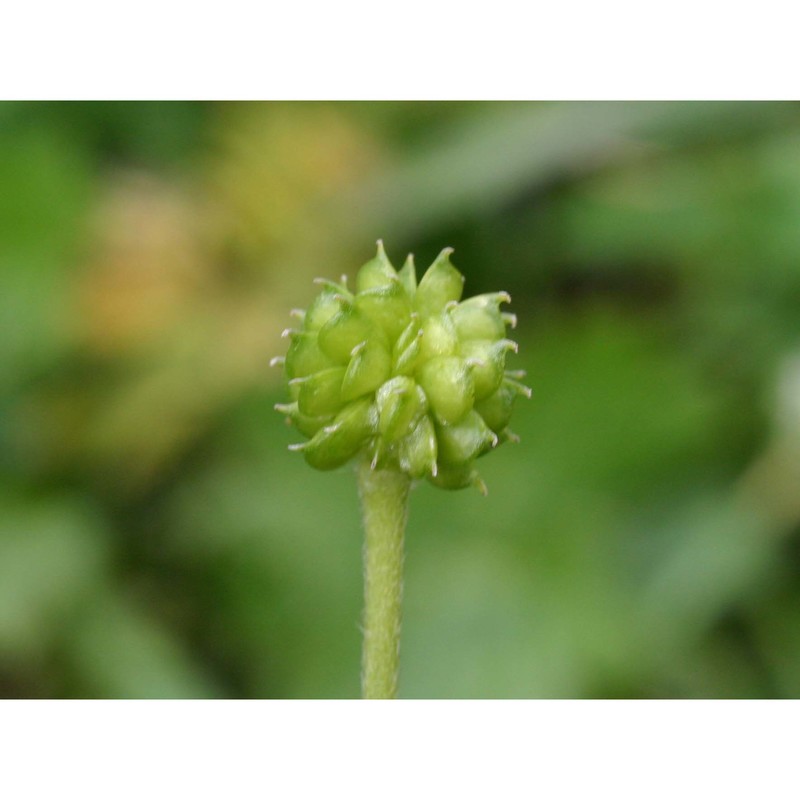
410, 382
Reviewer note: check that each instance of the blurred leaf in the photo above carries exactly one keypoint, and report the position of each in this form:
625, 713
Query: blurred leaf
147, 132
519, 147
119, 651
46, 188
715, 555
776, 622
51, 554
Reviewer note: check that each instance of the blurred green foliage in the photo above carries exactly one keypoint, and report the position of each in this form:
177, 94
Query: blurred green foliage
157, 539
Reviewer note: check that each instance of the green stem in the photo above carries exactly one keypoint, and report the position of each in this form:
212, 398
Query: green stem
384, 508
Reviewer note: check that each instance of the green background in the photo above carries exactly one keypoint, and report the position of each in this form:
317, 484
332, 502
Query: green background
157, 539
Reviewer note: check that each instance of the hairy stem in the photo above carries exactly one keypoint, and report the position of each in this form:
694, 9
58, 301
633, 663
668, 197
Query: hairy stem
384, 509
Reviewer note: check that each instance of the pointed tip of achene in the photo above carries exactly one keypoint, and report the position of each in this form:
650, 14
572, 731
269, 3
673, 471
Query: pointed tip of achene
408, 275
343, 301
331, 286
440, 284
382, 256
444, 259
518, 387
509, 319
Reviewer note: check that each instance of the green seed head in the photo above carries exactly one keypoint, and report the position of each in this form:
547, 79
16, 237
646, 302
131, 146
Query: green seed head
402, 372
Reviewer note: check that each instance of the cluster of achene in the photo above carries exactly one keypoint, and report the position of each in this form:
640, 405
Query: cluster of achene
403, 372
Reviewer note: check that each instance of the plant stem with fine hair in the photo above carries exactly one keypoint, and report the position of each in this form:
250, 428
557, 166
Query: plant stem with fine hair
384, 509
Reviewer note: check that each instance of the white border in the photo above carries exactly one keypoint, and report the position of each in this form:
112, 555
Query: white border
572, 50
404, 749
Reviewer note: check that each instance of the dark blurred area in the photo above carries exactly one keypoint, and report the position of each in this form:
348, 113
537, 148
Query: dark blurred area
157, 539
